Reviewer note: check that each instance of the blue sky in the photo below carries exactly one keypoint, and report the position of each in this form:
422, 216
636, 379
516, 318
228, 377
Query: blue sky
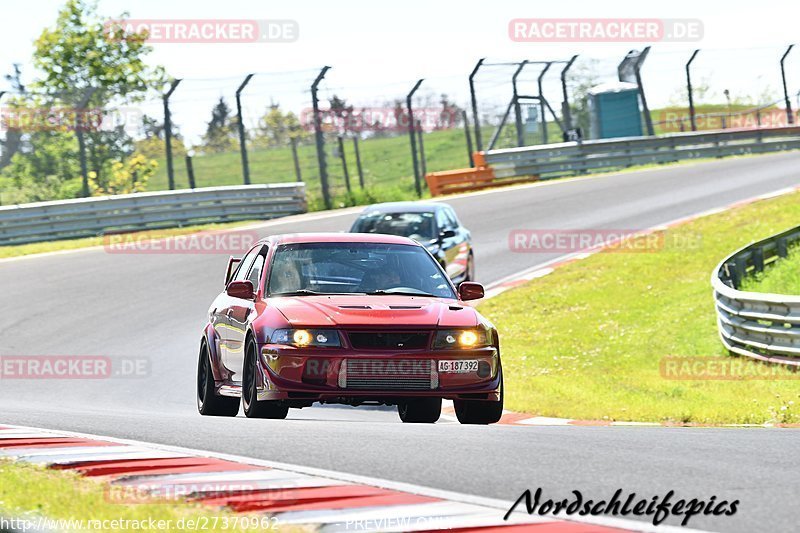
377, 49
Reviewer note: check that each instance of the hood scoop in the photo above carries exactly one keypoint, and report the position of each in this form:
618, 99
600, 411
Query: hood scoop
398, 307
354, 307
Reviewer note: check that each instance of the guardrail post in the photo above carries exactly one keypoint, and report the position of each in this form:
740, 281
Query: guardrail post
412, 137
517, 110
168, 133
320, 139
692, 119
782, 247
474, 100
240, 127
789, 114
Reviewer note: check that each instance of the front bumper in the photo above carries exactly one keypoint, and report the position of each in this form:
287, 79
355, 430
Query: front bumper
316, 375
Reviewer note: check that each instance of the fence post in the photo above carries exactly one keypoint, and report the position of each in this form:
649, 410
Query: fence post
469, 138
358, 162
190, 169
423, 163
517, 110
298, 175
565, 110
240, 126
789, 115
692, 119
320, 139
84, 101
168, 133
542, 111
412, 137
344, 162
475, 115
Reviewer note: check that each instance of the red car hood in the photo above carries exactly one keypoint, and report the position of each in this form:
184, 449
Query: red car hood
402, 311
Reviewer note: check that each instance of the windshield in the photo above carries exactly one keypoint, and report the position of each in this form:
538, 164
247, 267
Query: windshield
417, 226
356, 268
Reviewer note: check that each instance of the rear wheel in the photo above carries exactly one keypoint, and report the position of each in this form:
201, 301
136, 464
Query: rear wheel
480, 411
253, 408
208, 403
420, 410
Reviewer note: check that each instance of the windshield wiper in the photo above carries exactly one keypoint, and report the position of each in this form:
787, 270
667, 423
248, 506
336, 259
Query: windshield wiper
300, 292
401, 292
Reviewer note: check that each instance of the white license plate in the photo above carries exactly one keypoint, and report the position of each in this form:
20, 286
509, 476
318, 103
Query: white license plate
461, 366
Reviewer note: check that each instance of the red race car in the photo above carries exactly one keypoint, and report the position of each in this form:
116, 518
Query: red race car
351, 319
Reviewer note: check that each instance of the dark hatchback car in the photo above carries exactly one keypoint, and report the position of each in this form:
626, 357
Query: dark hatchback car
432, 224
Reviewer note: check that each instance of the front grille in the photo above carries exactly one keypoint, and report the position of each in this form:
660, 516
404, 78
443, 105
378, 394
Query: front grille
388, 374
389, 340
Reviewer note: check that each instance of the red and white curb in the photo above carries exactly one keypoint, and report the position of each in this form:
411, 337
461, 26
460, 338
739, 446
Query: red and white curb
294, 495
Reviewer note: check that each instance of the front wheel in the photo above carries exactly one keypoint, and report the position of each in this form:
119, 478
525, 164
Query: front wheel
253, 408
208, 403
469, 274
480, 411
420, 410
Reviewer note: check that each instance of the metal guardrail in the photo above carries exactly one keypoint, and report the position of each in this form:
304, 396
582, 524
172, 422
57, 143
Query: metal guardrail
758, 325
87, 217
562, 159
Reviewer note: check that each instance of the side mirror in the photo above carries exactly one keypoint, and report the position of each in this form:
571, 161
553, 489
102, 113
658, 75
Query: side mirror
241, 289
233, 262
447, 234
469, 290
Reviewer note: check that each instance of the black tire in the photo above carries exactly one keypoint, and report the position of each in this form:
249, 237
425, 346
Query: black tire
209, 403
420, 410
480, 411
253, 408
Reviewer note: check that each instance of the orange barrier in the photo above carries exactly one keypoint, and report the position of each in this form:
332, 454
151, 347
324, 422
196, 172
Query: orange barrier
468, 179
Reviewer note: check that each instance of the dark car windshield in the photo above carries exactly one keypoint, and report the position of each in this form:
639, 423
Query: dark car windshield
418, 226
356, 268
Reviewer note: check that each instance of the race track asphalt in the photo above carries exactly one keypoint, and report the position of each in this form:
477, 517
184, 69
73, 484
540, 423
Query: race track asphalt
153, 306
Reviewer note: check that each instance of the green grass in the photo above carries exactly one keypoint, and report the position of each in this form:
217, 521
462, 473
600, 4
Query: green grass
29, 491
587, 340
783, 277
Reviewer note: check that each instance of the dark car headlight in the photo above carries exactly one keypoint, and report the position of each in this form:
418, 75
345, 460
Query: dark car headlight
306, 337
455, 339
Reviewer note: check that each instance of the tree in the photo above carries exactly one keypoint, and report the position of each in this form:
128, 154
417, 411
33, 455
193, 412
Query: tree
125, 177
13, 140
82, 64
277, 128
220, 133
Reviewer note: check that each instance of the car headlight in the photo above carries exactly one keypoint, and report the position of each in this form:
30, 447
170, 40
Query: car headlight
306, 337
461, 339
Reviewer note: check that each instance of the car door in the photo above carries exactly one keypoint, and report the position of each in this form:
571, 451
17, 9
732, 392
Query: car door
448, 242
239, 315
224, 305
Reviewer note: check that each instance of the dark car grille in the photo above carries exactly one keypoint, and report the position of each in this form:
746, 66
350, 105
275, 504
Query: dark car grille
388, 374
395, 340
